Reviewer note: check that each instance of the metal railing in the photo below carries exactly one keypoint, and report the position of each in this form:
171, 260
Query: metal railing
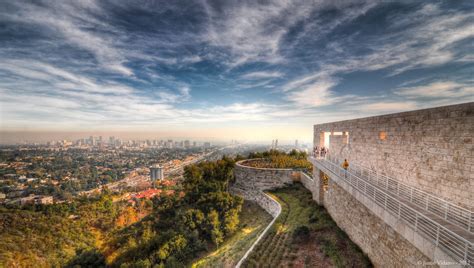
455, 245
444, 209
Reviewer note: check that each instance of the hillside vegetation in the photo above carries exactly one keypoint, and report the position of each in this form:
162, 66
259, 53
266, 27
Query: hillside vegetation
169, 231
181, 228
304, 235
253, 220
54, 235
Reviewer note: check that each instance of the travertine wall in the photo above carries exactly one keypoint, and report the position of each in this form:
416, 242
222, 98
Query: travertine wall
430, 149
261, 178
384, 246
250, 183
264, 201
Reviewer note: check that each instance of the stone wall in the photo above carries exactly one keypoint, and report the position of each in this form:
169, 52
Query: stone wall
429, 149
384, 246
313, 185
261, 178
250, 182
264, 201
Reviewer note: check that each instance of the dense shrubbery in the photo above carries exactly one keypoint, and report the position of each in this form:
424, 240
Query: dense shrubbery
98, 232
278, 159
42, 236
180, 229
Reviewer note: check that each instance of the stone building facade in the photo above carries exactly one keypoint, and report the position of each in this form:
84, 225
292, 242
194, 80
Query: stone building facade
431, 149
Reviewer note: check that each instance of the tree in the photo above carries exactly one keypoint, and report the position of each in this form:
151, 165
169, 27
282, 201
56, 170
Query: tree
193, 218
214, 228
231, 221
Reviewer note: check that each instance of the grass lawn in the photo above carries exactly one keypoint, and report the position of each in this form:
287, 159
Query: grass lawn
304, 235
253, 220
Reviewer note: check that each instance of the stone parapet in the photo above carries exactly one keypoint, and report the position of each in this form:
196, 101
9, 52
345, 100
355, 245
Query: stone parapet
247, 177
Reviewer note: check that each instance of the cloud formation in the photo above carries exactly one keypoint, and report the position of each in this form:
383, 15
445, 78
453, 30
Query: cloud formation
142, 64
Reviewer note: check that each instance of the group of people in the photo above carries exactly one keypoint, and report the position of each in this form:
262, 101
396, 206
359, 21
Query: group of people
323, 151
320, 151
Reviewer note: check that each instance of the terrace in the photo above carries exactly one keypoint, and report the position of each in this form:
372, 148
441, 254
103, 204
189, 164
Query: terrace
445, 225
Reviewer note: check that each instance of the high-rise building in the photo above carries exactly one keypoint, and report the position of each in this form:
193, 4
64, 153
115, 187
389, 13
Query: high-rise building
156, 173
207, 145
296, 143
187, 144
91, 140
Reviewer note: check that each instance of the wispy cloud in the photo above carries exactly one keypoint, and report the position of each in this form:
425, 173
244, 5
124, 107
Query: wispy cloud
74, 25
428, 39
262, 74
92, 63
441, 89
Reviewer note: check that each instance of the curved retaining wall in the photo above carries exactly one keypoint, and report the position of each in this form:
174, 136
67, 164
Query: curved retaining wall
263, 200
251, 178
250, 183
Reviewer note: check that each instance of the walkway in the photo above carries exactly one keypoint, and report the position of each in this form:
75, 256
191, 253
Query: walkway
446, 225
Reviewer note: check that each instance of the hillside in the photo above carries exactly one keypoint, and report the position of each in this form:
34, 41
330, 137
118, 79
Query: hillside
304, 235
253, 220
168, 231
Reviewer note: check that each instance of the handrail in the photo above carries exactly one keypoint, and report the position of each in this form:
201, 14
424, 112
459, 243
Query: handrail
459, 247
452, 213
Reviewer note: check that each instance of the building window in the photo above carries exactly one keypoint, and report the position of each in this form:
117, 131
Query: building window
382, 135
345, 137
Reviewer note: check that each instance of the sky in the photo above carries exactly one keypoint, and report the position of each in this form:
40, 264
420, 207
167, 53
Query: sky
227, 69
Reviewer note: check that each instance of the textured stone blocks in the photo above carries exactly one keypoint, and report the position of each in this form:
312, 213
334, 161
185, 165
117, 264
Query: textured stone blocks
430, 149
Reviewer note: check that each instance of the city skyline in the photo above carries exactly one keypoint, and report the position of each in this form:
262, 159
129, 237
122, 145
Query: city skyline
225, 70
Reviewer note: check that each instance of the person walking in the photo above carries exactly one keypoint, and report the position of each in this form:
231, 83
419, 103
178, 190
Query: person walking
345, 166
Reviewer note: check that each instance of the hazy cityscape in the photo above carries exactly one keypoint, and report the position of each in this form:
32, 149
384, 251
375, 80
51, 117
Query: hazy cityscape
213, 133
57, 171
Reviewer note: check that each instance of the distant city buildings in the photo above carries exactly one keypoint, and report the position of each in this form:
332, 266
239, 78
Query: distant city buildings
113, 142
274, 144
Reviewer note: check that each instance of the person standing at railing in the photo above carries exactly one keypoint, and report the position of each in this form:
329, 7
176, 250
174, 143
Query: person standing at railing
345, 166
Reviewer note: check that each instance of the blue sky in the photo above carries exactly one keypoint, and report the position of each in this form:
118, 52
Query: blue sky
232, 69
